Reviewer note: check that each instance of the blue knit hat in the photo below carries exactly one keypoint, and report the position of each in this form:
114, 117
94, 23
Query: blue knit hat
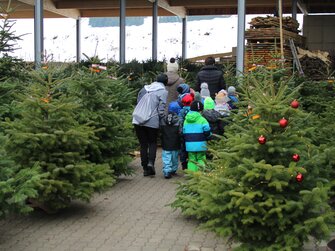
174, 107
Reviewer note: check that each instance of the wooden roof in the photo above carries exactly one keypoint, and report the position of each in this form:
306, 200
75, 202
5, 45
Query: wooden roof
182, 8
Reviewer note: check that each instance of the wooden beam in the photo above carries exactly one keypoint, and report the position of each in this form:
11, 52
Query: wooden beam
221, 3
99, 4
49, 6
302, 7
129, 12
178, 11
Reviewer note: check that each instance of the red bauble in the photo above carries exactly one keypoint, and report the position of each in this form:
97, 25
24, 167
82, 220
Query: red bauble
299, 177
295, 157
295, 104
283, 122
261, 140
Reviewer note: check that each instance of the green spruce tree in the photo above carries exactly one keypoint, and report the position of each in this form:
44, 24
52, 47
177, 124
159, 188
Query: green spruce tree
48, 133
263, 190
106, 104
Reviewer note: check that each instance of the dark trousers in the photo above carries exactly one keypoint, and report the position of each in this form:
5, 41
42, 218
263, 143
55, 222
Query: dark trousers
147, 137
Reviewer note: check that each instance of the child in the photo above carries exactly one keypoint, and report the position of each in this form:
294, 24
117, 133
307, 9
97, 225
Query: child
212, 116
232, 95
221, 104
204, 92
196, 131
186, 103
170, 135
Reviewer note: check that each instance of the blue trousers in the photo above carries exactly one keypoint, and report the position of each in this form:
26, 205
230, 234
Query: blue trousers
170, 161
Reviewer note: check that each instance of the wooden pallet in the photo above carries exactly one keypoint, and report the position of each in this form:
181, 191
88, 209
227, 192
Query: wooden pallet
267, 54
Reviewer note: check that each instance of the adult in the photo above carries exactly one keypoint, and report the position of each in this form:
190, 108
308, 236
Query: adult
174, 80
146, 120
211, 75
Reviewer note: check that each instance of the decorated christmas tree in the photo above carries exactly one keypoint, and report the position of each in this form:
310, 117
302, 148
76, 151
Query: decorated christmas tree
47, 133
263, 190
106, 104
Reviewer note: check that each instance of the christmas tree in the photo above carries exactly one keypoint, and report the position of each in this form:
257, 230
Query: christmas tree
47, 133
106, 104
262, 191
16, 185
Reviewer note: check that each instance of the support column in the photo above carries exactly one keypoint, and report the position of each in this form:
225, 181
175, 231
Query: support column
154, 29
78, 40
240, 38
294, 9
122, 31
184, 39
38, 33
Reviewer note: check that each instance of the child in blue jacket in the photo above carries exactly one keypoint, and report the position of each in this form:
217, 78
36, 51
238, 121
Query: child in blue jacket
196, 132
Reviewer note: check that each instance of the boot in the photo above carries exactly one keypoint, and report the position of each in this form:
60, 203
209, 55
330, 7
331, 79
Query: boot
151, 168
146, 171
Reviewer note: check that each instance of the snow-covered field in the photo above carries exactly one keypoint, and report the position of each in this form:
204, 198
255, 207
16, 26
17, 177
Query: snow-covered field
203, 37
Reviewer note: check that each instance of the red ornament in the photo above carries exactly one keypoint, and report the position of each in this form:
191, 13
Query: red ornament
295, 104
295, 157
283, 122
299, 177
261, 140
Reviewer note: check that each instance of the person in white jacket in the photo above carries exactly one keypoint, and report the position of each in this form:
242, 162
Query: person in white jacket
146, 120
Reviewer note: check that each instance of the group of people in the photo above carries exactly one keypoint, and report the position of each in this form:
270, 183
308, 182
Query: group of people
185, 118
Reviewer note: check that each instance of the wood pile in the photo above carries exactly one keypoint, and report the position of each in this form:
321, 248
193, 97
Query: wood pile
263, 41
315, 64
289, 23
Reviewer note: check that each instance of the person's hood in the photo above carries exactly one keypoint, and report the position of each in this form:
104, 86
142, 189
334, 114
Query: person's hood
192, 116
172, 78
211, 115
209, 103
155, 86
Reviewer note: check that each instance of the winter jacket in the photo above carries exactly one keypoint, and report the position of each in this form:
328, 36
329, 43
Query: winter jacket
213, 77
196, 131
170, 132
214, 119
233, 101
161, 95
174, 80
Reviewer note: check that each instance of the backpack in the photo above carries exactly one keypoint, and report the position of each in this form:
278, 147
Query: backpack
146, 108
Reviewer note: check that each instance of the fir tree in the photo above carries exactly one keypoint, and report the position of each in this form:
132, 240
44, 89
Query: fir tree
48, 133
106, 104
264, 191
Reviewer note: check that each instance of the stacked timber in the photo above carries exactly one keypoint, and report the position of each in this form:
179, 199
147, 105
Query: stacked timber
263, 41
315, 64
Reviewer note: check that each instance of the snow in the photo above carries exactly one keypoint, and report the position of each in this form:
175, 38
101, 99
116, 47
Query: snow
218, 35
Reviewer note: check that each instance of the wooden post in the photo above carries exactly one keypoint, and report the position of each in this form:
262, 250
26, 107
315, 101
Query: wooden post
280, 14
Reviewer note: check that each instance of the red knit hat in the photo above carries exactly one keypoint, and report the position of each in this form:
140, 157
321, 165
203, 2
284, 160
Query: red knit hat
187, 99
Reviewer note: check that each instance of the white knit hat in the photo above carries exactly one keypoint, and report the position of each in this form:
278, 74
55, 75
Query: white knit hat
204, 92
172, 67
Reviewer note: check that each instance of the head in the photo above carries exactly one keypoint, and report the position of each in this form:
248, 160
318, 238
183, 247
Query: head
187, 99
172, 60
196, 106
162, 78
197, 96
174, 107
172, 67
209, 61
204, 85
231, 90
209, 104
183, 88
220, 98
204, 92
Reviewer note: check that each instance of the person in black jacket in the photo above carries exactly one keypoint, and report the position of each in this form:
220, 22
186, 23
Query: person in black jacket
170, 135
211, 75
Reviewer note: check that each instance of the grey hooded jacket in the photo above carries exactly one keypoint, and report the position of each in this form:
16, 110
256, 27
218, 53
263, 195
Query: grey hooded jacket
158, 102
